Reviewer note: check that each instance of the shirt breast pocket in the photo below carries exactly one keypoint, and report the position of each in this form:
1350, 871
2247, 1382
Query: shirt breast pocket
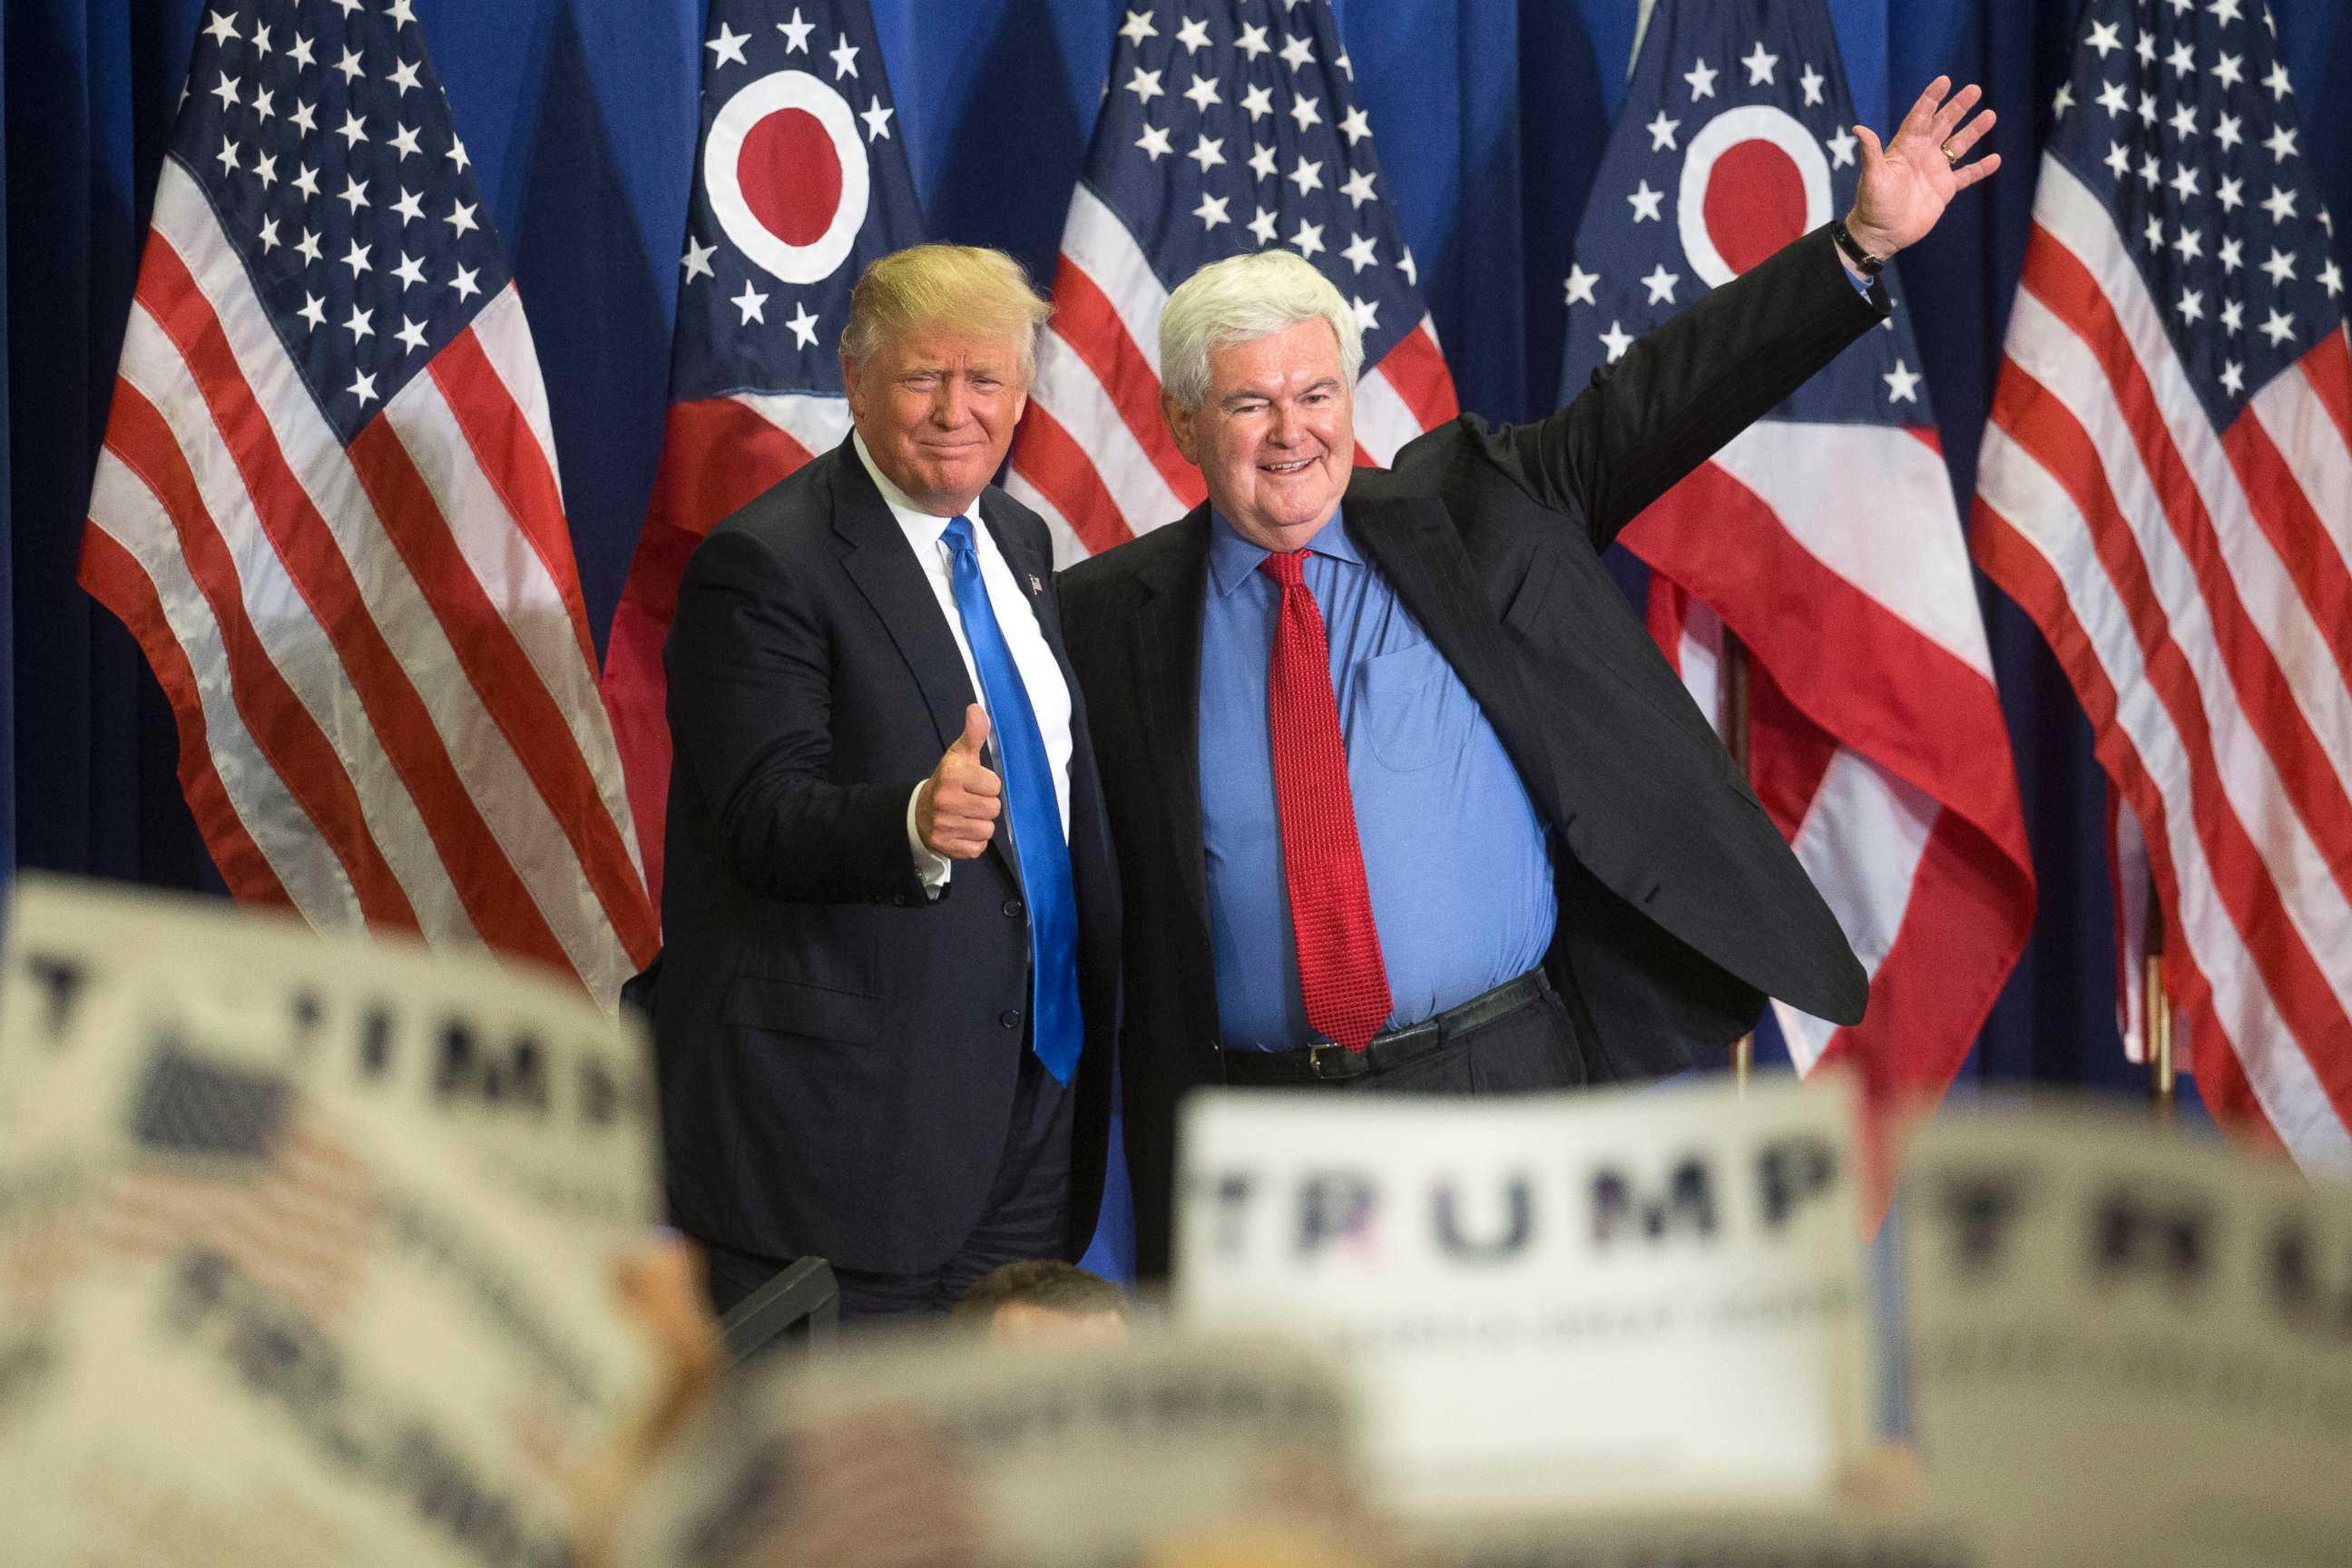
1416, 712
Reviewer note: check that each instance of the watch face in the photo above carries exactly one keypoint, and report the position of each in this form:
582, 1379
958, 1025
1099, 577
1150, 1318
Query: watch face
1862, 259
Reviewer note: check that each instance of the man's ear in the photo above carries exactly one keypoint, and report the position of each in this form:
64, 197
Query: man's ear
1181, 427
849, 385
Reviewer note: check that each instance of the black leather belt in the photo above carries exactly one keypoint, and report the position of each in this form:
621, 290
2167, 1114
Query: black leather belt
1328, 1063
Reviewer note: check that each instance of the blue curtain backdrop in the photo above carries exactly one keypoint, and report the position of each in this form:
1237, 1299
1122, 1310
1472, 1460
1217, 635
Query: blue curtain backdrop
580, 115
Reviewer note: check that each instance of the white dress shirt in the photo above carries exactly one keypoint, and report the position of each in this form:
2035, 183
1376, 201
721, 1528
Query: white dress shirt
1016, 618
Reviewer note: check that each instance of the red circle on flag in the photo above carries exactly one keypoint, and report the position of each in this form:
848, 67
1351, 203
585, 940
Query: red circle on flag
1755, 203
787, 175
1753, 178
791, 176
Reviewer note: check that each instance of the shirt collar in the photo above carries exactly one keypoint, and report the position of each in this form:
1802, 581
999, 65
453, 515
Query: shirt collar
1233, 558
917, 523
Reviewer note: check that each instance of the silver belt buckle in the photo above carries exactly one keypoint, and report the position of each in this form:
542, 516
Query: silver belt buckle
1345, 1064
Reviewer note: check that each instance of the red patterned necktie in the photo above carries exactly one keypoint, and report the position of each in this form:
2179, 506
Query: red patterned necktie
1340, 974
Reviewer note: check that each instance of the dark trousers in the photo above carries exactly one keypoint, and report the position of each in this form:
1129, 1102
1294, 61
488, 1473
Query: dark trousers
1533, 1047
1025, 1217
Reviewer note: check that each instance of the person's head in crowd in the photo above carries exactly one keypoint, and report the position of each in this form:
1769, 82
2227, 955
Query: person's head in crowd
1045, 1300
938, 354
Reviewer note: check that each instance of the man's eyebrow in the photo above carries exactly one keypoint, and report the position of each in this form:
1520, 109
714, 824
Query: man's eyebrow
1248, 394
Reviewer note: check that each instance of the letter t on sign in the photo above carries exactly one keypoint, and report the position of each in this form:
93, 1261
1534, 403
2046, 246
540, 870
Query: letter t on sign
1977, 1211
1793, 1171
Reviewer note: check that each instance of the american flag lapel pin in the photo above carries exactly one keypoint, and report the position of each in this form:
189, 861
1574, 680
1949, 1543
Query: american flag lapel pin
1037, 584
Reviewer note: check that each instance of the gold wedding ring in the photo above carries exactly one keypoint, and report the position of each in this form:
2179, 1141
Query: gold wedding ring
1951, 153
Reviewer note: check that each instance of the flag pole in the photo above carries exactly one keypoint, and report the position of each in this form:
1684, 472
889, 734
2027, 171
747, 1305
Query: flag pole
1734, 717
2156, 1014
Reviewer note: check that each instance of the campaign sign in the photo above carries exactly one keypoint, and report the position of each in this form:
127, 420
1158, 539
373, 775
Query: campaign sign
1599, 1299
307, 1244
1698, 1539
2129, 1345
1023, 1455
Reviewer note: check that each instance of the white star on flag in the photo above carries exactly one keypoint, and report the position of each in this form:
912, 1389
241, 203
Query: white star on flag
726, 49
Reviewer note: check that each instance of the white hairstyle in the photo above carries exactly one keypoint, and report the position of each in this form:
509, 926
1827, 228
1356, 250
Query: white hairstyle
1239, 300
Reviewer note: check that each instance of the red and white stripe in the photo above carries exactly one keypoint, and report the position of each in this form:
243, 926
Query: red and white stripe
717, 454
378, 657
2189, 582
1093, 455
1876, 742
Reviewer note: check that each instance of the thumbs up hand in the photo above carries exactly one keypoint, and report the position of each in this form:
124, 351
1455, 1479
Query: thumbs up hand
957, 814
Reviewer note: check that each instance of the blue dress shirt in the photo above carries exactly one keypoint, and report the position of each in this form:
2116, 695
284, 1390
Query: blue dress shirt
1455, 851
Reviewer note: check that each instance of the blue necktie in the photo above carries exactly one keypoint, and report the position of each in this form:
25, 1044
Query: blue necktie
1057, 1030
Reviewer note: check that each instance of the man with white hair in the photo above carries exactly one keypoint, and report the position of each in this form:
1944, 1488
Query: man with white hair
1403, 795
889, 924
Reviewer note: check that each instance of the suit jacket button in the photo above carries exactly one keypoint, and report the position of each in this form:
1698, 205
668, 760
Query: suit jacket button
1012, 909
1010, 1018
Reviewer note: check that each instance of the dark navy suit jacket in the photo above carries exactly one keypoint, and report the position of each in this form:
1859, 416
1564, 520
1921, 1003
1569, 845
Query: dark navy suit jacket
837, 1055
1680, 906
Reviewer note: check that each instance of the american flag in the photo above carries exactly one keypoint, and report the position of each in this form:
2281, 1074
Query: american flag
226, 1162
327, 509
1826, 536
2165, 485
800, 180
1226, 127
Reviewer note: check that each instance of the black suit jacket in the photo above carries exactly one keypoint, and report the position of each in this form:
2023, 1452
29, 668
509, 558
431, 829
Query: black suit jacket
1681, 907
836, 1054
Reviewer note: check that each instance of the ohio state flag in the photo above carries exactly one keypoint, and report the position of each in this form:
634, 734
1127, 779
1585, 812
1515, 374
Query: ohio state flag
1826, 536
801, 179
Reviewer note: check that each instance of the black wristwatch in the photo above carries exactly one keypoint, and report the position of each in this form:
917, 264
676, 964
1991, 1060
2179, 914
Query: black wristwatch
1863, 262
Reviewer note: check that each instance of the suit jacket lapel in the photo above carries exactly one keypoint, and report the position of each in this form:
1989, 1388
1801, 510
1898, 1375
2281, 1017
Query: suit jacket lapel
884, 567
1415, 541
880, 562
1034, 571
1167, 654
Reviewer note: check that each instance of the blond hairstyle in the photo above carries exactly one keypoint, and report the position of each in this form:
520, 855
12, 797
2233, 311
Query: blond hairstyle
960, 288
1239, 300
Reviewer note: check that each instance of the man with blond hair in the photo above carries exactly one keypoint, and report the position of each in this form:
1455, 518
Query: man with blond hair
890, 974
1406, 799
